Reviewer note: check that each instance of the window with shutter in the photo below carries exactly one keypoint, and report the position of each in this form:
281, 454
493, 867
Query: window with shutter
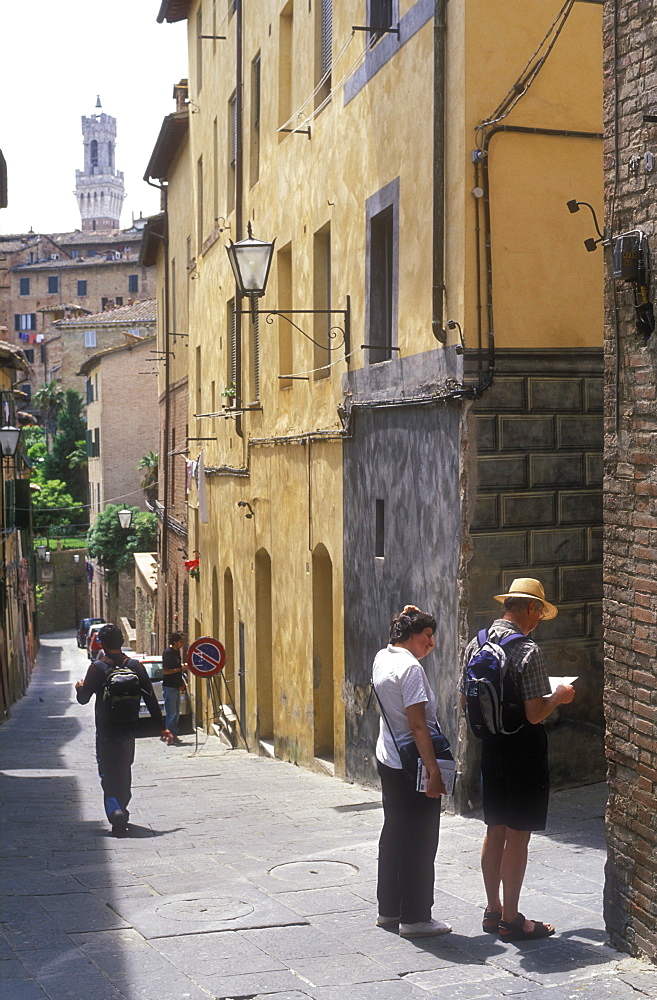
254, 165
199, 48
232, 151
327, 38
381, 17
323, 51
232, 344
24, 286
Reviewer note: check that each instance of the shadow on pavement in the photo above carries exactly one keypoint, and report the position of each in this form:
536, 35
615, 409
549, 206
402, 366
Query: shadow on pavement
47, 840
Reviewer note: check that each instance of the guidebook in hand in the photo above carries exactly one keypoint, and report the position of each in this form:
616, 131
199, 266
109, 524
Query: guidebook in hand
447, 773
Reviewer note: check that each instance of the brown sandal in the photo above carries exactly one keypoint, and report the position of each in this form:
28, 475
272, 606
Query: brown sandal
512, 930
491, 922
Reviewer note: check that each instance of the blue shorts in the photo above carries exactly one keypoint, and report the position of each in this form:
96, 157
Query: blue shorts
515, 779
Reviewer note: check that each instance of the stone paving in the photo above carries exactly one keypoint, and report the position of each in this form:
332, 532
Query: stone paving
245, 877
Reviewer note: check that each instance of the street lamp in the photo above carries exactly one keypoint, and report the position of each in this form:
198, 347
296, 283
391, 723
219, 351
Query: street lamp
125, 518
250, 260
41, 552
9, 438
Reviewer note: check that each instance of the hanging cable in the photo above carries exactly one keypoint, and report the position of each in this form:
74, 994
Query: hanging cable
530, 72
325, 76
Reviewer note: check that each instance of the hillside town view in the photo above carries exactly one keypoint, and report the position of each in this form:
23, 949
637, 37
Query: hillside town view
328, 596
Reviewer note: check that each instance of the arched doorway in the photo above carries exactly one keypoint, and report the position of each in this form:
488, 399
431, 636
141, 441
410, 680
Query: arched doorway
323, 653
263, 626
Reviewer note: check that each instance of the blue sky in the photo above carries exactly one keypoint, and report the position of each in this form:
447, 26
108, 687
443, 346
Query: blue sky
55, 58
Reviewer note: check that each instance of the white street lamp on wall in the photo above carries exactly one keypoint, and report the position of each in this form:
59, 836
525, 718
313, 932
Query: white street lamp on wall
250, 260
125, 518
9, 438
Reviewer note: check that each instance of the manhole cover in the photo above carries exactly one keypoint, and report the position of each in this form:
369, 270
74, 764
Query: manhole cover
314, 872
203, 909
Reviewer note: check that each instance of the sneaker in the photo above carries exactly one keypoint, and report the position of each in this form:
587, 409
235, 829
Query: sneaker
119, 821
382, 921
425, 928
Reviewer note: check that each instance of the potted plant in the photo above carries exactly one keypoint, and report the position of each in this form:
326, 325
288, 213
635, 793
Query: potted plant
230, 394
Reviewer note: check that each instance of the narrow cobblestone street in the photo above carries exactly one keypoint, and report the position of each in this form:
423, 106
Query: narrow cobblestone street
246, 877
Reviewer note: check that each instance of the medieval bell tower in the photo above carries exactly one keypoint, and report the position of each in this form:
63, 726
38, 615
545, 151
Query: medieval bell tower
99, 187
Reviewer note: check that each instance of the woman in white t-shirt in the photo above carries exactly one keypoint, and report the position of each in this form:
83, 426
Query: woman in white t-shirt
409, 838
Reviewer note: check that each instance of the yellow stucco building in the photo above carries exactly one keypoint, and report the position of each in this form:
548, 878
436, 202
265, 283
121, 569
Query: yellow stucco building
441, 431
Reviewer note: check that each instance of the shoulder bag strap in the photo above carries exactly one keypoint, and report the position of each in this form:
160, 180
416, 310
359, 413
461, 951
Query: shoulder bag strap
385, 717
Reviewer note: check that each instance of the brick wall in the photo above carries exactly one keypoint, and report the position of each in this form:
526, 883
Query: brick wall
105, 279
126, 415
539, 433
630, 490
65, 590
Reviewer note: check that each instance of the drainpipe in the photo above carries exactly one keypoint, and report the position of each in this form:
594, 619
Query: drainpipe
438, 276
239, 192
164, 560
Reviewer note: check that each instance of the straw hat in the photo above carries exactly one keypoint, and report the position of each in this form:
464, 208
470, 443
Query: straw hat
526, 587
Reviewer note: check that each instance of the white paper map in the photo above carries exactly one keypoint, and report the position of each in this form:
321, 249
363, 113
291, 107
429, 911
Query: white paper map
556, 681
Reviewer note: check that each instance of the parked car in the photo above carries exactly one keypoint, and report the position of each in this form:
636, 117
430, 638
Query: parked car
83, 629
153, 666
94, 648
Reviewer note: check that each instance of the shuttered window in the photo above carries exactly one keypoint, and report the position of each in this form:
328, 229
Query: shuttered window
381, 18
327, 36
232, 344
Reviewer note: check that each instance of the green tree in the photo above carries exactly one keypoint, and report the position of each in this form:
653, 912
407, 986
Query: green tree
78, 457
71, 431
34, 443
149, 466
52, 505
49, 400
112, 545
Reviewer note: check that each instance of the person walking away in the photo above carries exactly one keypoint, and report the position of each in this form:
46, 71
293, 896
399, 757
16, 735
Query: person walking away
118, 684
172, 682
411, 824
514, 768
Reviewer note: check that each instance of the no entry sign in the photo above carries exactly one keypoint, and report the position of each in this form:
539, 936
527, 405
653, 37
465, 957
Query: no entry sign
206, 656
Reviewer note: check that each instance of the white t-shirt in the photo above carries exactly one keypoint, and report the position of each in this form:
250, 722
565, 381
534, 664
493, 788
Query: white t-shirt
400, 681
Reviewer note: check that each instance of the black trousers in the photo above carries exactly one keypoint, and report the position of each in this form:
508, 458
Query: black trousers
407, 848
115, 753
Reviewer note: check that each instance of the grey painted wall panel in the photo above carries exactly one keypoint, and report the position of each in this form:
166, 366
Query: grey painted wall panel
408, 457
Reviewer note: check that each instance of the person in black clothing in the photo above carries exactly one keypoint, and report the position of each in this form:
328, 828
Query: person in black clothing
172, 682
115, 748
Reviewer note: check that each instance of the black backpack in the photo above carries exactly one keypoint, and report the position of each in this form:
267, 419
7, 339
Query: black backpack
492, 704
121, 692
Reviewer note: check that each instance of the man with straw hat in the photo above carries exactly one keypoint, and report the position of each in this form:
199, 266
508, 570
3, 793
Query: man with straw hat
515, 777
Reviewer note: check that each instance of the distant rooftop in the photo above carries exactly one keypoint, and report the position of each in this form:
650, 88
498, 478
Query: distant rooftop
98, 260
111, 238
136, 312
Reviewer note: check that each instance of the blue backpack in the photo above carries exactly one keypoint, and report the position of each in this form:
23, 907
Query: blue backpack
492, 704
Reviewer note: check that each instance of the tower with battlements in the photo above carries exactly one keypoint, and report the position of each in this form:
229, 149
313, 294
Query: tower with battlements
99, 187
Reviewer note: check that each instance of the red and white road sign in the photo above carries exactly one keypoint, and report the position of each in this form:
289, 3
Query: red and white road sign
206, 656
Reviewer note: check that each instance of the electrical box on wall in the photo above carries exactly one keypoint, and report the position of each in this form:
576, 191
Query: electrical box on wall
627, 252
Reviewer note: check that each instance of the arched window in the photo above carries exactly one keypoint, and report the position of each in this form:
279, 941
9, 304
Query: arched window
94, 152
